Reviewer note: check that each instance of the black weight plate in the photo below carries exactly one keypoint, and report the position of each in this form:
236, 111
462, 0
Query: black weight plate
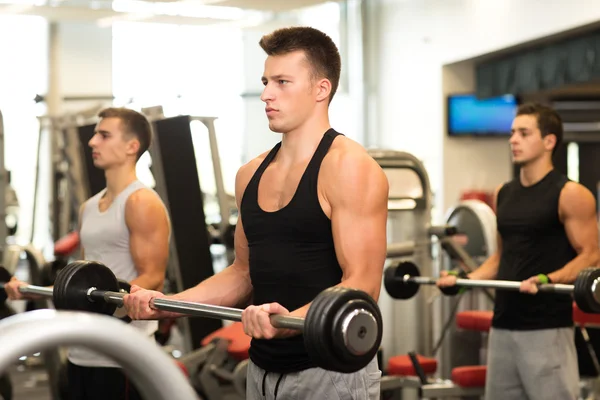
58, 291
5, 276
394, 284
323, 325
315, 343
583, 290
121, 312
76, 281
356, 300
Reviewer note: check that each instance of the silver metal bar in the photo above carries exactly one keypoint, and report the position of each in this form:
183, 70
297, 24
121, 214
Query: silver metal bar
31, 289
183, 307
202, 310
402, 249
43, 291
493, 284
228, 313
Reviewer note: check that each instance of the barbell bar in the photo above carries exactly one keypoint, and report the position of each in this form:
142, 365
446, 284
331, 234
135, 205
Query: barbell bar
402, 281
342, 329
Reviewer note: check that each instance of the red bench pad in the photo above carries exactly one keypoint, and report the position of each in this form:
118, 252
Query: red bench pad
67, 244
239, 342
583, 318
469, 375
402, 365
475, 320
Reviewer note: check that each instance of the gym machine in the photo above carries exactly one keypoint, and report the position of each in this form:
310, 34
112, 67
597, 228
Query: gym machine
152, 371
477, 240
409, 217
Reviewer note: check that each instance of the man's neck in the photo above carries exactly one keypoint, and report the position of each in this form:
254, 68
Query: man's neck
533, 172
301, 143
118, 179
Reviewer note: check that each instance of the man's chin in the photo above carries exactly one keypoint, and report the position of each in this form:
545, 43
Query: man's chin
275, 128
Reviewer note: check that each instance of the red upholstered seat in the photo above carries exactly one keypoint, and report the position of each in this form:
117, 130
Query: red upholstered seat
469, 376
183, 368
402, 365
66, 245
475, 320
239, 342
583, 318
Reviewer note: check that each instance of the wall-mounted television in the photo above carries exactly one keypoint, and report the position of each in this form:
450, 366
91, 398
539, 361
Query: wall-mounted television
470, 116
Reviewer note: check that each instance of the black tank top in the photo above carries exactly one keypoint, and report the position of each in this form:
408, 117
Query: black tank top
534, 242
292, 257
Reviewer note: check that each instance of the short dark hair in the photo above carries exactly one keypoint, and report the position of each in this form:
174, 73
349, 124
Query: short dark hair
320, 51
548, 120
134, 123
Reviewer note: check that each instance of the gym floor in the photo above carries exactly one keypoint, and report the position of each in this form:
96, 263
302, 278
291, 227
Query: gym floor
29, 383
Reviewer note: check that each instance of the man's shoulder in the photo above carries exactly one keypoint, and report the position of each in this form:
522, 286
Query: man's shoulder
346, 153
144, 195
247, 170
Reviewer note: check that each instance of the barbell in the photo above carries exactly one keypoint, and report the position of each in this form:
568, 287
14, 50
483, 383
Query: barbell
123, 287
402, 281
342, 330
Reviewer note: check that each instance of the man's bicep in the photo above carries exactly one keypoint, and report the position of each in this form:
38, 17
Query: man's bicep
581, 223
359, 224
149, 229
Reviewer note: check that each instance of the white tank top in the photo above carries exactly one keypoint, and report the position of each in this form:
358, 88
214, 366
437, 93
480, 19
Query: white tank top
105, 238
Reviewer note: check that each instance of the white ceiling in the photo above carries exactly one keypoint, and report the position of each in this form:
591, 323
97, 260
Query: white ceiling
195, 12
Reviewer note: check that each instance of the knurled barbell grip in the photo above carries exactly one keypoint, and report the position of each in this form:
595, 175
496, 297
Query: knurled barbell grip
188, 308
200, 310
493, 284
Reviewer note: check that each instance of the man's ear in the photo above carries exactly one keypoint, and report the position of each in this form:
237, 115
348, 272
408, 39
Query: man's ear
323, 90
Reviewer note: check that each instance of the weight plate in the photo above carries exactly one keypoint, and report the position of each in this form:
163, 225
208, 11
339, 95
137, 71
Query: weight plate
316, 345
121, 312
325, 327
585, 288
394, 284
58, 291
77, 279
358, 329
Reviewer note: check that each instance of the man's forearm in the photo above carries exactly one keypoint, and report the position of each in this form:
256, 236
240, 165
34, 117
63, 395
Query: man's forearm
487, 270
149, 281
229, 288
354, 283
568, 274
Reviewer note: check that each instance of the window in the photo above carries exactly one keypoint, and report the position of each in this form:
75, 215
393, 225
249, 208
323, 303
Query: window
195, 70
23, 74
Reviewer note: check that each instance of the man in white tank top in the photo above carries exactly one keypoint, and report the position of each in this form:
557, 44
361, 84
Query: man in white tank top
126, 227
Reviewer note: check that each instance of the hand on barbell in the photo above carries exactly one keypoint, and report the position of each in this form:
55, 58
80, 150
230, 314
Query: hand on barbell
137, 303
257, 323
446, 280
12, 289
530, 285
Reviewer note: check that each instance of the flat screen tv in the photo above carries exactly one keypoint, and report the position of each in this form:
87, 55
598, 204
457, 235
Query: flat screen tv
470, 116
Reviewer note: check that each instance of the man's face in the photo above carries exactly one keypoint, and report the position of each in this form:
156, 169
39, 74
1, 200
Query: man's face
290, 92
526, 141
110, 145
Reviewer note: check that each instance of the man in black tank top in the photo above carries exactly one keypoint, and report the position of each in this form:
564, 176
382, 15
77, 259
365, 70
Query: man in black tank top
313, 213
547, 233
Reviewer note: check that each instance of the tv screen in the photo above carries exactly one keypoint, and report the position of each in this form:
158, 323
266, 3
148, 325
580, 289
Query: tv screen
470, 116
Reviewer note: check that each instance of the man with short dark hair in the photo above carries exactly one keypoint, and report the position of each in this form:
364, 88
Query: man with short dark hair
313, 213
126, 227
547, 233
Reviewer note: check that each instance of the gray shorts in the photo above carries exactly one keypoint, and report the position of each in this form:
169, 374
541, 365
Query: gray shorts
313, 383
538, 364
